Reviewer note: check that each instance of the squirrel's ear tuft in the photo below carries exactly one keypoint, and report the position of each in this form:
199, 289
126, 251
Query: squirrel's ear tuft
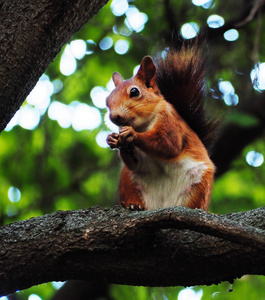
147, 71
117, 78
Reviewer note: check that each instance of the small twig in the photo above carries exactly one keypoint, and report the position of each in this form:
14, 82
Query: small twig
258, 5
246, 16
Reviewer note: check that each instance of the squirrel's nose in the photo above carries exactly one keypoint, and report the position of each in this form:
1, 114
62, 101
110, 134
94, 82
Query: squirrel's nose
117, 119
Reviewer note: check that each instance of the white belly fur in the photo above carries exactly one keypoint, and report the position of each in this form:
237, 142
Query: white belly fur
166, 184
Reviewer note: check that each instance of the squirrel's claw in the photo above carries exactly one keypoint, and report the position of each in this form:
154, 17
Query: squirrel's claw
133, 206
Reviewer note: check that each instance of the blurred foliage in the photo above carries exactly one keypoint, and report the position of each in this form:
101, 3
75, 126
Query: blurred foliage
60, 168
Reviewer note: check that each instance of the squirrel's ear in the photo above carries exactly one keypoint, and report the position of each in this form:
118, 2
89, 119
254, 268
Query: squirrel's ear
147, 71
117, 78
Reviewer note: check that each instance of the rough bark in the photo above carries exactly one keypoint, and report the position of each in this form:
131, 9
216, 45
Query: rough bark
31, 35
167, 247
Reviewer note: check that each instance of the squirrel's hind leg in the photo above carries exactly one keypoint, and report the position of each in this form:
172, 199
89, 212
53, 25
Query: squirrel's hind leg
129, 195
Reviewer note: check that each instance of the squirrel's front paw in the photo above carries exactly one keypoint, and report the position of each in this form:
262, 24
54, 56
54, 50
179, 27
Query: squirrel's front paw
112, 140
126, 136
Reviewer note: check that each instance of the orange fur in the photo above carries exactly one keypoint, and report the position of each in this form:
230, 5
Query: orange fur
165, 162
130, 195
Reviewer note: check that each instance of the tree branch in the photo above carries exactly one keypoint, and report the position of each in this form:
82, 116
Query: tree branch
258, 5
174, 246
31, 35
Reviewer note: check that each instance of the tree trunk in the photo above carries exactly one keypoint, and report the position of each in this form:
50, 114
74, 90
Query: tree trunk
167, 247
31, 35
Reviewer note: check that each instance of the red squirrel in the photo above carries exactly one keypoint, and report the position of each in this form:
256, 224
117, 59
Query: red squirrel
163, 132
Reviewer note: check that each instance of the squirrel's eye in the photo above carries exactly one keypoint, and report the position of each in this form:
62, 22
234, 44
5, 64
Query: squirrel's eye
134, 92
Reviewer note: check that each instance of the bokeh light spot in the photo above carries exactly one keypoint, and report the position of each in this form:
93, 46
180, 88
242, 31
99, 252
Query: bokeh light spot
78, 48
135, 20
14, 194
110, 125
29, 117
257, 76
226, 87
91, 45
40, 96
58, 284
254, 159
190, 294
228, 93
204, 3
231, 99
98, 95
189, 30
67, 62
34, 297
231, 35
61, 113
121, 47
136, 69
80, 115
57, 86
101, 139
119, 7
106, 43
215, 21
13, 122
11, 210
85, 117
110, 85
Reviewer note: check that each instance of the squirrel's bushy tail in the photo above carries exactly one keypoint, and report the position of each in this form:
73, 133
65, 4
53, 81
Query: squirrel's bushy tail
180, 78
